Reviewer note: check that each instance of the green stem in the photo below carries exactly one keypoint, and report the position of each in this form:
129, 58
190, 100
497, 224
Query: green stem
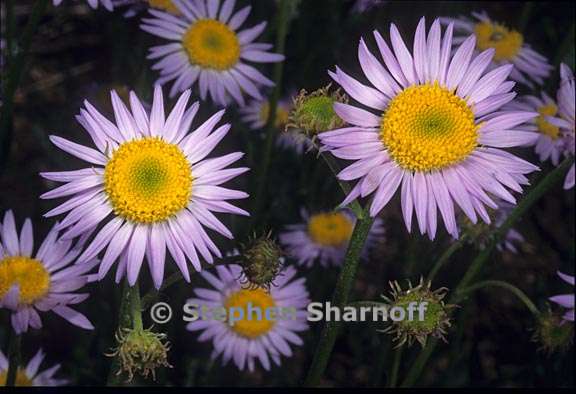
136, 308
532, 196
339, 298
498, 283
14, 348
445, 257
282, 32
395, 368
12, 81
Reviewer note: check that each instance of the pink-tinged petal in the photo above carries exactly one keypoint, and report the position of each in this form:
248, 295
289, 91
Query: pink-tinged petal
9, 234
172, 124
73, 317
358, 91
390, 60
157, 251
488, 84
140, 114
157, 114
82, 152
420, 51
433, 48
569, 181
239, 18
356, 116
248, 35
460, 63
34, 364
375, 72
567, 300
26, 239
459, 193
386, 190
402, 55
420, 196
124, 119
508, 138
116, 246
444, 202
407, 200
226, 10
566, 278
136, 251
477, 67
101, 240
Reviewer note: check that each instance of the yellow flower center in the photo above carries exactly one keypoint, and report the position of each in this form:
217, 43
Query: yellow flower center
427, 127
32, 278
506, 43
212, 44
22, 379
330, 229
251, 301
543, 125
148, 180
165, 5
281, 115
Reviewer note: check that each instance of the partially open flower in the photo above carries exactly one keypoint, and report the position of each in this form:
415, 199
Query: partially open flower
141, 352
261, 261
553, 333
433, 322
314, 112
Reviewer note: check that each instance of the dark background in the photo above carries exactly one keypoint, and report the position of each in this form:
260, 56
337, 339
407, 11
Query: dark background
79, 53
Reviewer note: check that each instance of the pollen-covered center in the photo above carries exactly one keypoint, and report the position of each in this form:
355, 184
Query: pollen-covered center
22, 379
544, 126
254, 304
32, 279
211, 44
148, 180
281, 114
164, 5
506, 42
427, 127
330, 229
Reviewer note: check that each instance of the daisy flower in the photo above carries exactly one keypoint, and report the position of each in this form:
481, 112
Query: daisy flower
436, 133
255, 113
566, 300
254, 337
108, 4
41, 282
549, 145
207, 45
508, 44
324, 237
30, 376
294, 140
151, 185
566, 117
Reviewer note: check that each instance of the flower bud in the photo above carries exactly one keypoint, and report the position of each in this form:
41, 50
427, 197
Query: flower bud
261, 262
553, 333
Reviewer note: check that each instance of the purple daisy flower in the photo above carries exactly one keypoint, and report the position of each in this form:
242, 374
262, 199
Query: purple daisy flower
295, 140
255, 113
150, 183
550, 145
566, 117
512, 237
41, 282
254, 338
324, 237
30, 376
108, 4
509, 47
136, 6
207, 46
565, 300
437, 133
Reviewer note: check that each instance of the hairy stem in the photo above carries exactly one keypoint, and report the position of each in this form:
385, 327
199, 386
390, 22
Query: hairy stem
505, 285
339, 299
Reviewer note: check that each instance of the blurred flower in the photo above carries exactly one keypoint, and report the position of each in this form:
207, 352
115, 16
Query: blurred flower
108, 4
549, 144
255, 114
508, 45
261, 261
324, 236
150, 174
140, 5
256, 337
45, 282
437, 133
566, 117
29, 376
206, 47
566, 300
142, 352
293, 139
361, 6
435, 322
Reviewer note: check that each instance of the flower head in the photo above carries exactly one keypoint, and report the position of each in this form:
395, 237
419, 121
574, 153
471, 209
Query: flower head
508, 45
256, 113
261, 261
566, 300
552, 334
43, 281
208, 46
31, 376
435, 322
270, 319
437, 134
323, 237
108, 4
150, 184
566, 118
142, 352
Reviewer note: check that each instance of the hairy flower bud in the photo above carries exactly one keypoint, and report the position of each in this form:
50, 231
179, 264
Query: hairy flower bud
553, 333
261, 261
